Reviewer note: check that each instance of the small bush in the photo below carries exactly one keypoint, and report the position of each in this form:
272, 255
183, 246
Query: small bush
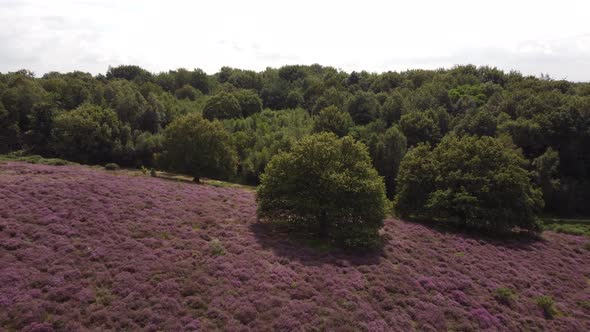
504, 295
547, 304
584, 304
216, 247
111, 167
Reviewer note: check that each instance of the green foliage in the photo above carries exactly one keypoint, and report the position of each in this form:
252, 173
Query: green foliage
38, 136
187, 92
393, 109
546, 170
331, 119
476, 182
419, 127
259, 137
34, 159
216, 248
90, 134
547, 304
222, 106
198, 147
535, 114
111, 167
505, 295
146, 146
327, 186
480, 123
249, 101
294, 99
568, 226
363, 108
387, 152
129, 72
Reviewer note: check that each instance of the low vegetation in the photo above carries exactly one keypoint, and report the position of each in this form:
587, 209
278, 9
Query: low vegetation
141, 253
111, 167
472, 147
574, 226
547, 304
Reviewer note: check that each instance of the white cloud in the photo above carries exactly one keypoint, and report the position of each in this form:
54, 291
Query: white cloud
531, 36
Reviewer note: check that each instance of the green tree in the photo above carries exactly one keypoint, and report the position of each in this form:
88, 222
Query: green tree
419, 127
38, 137
331, 119
9, 130
363, 108
326, 185
388, 152
249, 101
90, 134
294, 99
473, 181
130, 73
547, 174
222, 106
393, 109
198, 147
480, 123
187, 92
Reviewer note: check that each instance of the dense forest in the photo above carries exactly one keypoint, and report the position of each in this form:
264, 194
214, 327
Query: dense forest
125, 117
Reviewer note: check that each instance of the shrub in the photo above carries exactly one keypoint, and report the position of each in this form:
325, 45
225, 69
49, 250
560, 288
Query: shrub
198, 147
216, 247
473, 181
327, 186
111, 167
504, 295
547, 304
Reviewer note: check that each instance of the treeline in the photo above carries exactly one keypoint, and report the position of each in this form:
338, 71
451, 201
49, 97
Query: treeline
122, 117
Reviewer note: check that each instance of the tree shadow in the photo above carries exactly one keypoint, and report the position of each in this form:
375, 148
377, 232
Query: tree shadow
516, 239
310, 250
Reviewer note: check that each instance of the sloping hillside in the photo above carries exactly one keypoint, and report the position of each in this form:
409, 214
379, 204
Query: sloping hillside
82, 248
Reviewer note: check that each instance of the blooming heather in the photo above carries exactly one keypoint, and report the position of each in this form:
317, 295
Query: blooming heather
83, 248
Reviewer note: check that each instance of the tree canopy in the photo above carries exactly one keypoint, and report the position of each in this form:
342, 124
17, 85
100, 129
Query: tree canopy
475, 181
265, 112
198, 147
326, 185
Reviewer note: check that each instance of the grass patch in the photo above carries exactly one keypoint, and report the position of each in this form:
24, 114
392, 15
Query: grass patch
34, 159
573, 226
210, 182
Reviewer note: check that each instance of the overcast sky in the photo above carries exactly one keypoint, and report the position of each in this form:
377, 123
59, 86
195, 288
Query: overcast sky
534, 37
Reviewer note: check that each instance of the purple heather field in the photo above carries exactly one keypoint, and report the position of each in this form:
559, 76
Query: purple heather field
86, 249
